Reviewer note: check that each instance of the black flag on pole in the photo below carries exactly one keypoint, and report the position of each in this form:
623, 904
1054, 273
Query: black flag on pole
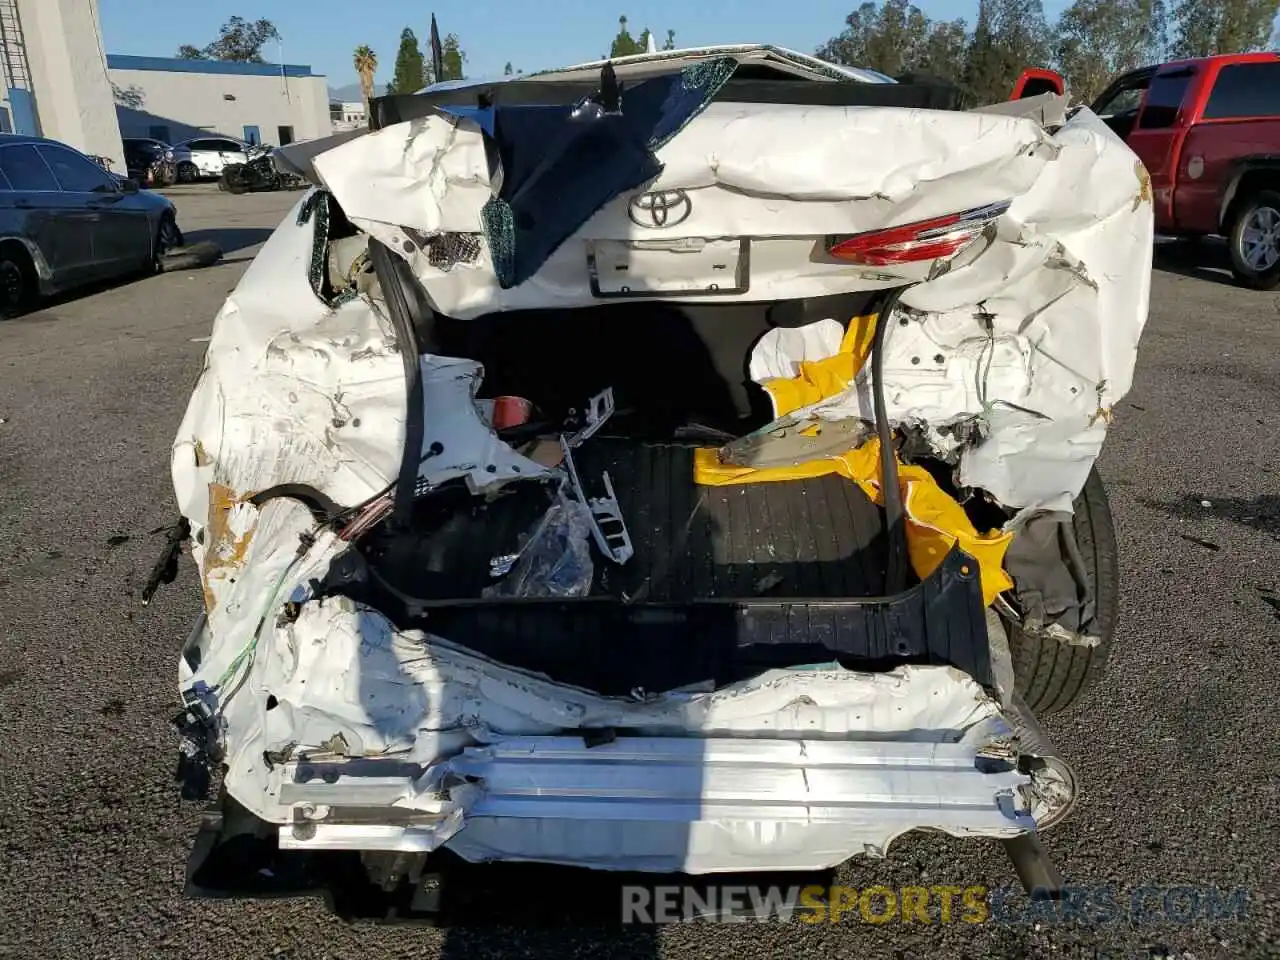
437, 53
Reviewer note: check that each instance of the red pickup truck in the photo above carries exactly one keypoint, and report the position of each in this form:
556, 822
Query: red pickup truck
1208, 131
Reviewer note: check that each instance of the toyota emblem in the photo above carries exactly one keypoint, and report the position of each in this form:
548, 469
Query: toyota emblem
664, 208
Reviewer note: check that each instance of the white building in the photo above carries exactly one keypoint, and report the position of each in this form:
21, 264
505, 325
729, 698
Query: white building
55, 75
174, 100
56, 81
348, 115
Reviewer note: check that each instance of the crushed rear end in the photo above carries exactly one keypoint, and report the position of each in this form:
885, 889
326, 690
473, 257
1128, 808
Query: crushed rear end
623, 469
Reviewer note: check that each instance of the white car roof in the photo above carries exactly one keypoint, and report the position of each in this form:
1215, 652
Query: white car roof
650, 64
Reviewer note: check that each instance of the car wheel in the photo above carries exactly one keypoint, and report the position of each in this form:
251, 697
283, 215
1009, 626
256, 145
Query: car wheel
17, 283
168, 238
1254, 241
188, 172
1052, 675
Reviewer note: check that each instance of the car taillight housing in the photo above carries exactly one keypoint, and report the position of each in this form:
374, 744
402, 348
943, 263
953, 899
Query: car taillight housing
918, 242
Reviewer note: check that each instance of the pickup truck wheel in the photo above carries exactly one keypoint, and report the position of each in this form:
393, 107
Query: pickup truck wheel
1051, 675
1254, 241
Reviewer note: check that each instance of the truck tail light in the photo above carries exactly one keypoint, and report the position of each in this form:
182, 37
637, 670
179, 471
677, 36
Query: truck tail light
920, 241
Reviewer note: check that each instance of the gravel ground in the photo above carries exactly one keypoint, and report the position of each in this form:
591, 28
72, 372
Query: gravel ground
1176, 750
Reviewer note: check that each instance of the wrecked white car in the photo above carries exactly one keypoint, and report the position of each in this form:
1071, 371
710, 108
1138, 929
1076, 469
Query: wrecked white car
679, 464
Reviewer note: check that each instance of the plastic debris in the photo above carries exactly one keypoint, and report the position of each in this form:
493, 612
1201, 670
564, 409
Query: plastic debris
599, 409
556, 561
603, 513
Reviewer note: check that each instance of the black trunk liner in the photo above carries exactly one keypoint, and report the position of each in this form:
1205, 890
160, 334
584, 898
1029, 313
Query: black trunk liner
805, 538
760, 576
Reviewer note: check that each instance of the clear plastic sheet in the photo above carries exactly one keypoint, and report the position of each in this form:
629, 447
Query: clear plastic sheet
557, 561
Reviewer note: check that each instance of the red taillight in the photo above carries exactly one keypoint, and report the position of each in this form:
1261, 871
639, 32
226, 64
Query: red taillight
920, 241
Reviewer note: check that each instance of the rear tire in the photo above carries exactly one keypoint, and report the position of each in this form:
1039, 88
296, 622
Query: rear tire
1254, 241
18, 284
1051, 675
168, 238
188, 172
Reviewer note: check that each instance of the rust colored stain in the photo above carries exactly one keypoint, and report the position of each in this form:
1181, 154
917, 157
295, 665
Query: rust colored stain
222, 549
1144, 185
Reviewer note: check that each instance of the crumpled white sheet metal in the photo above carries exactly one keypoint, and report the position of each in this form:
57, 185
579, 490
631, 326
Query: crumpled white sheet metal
294, 391
1036, 330
397, 740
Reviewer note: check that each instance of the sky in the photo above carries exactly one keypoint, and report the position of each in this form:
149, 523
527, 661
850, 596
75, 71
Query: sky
323, 33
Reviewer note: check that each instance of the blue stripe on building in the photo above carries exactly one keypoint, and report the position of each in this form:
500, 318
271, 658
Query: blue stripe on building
117, 61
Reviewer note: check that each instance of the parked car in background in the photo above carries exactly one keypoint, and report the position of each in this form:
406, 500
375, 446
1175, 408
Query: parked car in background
207, 156
1208, 131
151, 162
65, 221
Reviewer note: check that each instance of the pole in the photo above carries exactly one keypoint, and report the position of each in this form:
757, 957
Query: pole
284, 83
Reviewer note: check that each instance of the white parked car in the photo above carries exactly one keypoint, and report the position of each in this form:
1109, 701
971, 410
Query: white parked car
685, 464
203, 157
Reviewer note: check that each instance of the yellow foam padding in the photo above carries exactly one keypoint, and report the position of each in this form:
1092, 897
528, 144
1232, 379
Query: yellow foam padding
819, 379
935, 522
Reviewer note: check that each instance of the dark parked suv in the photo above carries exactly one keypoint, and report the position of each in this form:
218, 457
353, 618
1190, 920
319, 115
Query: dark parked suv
65, 221
151, 162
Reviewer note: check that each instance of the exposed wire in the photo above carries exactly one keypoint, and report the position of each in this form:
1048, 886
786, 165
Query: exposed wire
896, 566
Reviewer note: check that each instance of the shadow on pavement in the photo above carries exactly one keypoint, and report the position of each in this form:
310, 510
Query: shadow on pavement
1201, 260
230, 239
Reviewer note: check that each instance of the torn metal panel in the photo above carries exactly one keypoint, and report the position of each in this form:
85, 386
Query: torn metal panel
1043, 316
1047, 109
429, 175
299, 158
1052, 585
702, 805
457, 441
436, 741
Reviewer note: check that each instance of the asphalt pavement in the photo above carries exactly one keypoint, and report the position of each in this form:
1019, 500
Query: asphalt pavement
1176, 749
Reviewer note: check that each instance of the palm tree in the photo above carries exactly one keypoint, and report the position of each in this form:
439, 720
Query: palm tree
366, 64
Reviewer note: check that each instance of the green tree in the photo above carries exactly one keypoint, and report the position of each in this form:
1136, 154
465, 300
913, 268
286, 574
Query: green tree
642, 44
1206, 27
624, 45
452, 58
982, 68
508, 70
671, 41
411, 70
238, 40
1009, 36
898, 38
944, 49
1098, 39
852, 46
